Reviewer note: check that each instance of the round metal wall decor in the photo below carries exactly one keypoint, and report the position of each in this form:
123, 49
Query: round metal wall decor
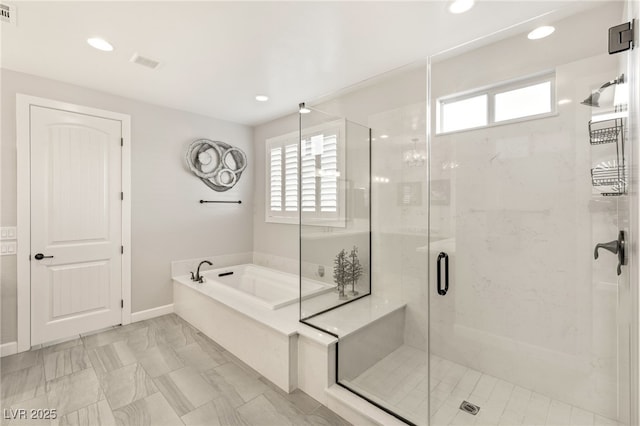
218, 164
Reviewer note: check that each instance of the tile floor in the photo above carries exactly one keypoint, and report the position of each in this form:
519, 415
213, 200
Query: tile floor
401, 379
156, 372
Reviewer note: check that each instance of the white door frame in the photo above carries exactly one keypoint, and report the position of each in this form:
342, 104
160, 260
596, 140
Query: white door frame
23, 105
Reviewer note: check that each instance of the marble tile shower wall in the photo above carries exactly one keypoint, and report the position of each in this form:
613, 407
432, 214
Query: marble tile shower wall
527, 302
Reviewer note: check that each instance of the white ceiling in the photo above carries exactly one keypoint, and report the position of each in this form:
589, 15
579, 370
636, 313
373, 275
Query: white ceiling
216, 56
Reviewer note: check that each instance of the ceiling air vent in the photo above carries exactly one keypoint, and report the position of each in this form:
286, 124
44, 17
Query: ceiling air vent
145, 62
7, 13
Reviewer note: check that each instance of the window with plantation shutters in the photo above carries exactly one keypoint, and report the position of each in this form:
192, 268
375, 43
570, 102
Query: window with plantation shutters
313, 174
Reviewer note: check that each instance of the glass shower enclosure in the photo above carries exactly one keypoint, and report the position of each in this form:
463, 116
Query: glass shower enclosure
335, 223
474, 232
529, 173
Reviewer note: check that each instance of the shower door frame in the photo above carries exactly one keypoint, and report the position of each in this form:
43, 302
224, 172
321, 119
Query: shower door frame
633, 14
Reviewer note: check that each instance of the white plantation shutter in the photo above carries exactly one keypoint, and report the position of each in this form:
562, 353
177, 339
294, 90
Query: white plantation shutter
308, 177
322, 200
329, 178
291, 178
275, 183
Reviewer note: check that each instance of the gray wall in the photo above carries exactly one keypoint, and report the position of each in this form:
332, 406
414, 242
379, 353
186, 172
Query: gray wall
272, 238
168, 223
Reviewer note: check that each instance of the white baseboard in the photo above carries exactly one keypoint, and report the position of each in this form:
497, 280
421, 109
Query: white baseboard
152, 313
8, 348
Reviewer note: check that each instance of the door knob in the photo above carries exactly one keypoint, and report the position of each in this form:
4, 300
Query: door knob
615, 247
41, 256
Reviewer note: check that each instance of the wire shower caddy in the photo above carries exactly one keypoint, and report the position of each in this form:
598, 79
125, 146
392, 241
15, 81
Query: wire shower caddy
611, 174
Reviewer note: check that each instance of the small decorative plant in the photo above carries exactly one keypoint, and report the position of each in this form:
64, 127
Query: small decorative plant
347, 269
354, 270
340, 273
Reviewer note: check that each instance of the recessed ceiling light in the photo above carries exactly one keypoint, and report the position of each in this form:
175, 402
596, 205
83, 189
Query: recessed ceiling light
541, 32
262, 98
100, 44
460, 6
564, 101
384, 136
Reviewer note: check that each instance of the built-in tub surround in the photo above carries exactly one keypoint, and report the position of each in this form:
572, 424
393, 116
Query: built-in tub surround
265, 338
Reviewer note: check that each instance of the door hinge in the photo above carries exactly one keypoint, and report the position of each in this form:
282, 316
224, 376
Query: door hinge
121, 141
621, 37
122, 196
121, 249
122, 303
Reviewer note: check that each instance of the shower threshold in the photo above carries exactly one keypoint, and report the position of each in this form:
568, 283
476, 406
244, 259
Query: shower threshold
400, 382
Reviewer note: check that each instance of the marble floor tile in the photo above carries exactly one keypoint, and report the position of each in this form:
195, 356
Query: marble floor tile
205, 415
201, 338
165, 321
247, 385
227, 414
61, 346
322, 416
98, 414
142, 339
103, 338
153, 410
74, 391
222, 387
126, 385
299, 399
194, 356
65, 361
160, 372
23, 384
129, 328
185, 389
177, 336
17, 416
260, 412
238, 362
111, 356
215, 351
12, 363
281, 404
159, 360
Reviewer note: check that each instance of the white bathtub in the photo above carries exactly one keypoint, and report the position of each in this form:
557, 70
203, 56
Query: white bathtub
267, 287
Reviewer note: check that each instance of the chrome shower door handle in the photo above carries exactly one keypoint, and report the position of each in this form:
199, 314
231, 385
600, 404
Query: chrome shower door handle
445, 256
615, 247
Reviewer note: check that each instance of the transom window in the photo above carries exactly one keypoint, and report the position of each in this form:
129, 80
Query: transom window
319, 166
522, 99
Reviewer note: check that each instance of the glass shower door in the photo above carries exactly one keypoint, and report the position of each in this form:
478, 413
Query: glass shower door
529, 168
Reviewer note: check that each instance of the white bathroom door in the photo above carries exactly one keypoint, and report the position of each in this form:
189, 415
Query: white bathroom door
76, 228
